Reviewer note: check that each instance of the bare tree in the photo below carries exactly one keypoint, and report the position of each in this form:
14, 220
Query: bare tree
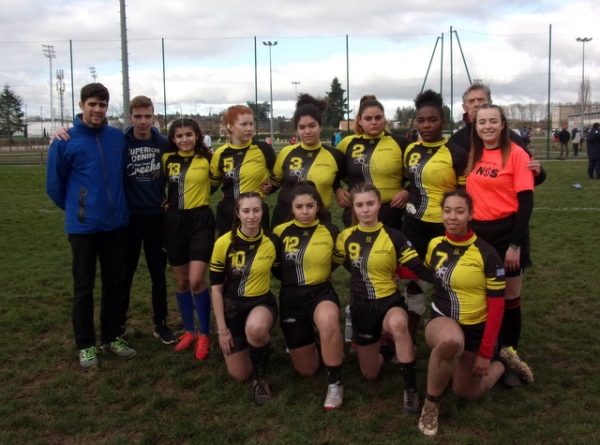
585, 93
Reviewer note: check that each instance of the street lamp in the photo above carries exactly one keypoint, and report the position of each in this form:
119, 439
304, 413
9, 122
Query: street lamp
270, 45
48, 51
60, 87
583, 40
296, 83
93, 73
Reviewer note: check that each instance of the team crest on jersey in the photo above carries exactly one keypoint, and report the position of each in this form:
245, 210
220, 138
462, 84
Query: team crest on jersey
442, 274
357, 262
291, 256
239, 271
298, 172
369, 239
413, 169
305, 233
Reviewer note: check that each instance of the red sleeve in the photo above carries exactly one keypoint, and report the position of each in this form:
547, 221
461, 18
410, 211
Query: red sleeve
404, 273
492, 327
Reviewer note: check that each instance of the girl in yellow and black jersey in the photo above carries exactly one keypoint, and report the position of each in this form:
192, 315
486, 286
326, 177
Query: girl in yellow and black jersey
241, 165
307, 300
372, 252
308, 160
432, 167
189, 229
466, 312
245, 308
374, 156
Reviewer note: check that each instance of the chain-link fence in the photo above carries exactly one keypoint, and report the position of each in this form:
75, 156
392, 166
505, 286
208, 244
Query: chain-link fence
204, 76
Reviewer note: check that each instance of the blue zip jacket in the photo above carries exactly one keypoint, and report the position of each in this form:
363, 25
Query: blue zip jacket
144, 181
85, 178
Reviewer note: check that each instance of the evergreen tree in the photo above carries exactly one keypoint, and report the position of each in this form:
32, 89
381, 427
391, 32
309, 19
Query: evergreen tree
261, 111
338, 107
404, 115
11, 113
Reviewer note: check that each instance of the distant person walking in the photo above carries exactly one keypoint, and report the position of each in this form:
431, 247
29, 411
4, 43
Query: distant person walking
575, 140
593, 150
208, 141
563, 139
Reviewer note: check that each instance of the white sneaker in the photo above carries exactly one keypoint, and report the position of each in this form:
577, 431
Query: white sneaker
335, 396
428, 422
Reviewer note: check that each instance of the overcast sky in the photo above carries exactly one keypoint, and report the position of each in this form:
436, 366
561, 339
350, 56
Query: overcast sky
210, 51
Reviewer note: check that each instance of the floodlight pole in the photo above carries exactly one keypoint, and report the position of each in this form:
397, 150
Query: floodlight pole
583, 40
296, 83
270, 45
48, 51
60, 87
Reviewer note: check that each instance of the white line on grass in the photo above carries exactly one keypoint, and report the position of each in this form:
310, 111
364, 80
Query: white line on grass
568, 209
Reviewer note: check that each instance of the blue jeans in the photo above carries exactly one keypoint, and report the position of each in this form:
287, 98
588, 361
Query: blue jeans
109, 248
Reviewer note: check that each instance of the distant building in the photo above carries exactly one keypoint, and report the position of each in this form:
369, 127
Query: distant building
346, 125
570, 115
589, 117
560, 114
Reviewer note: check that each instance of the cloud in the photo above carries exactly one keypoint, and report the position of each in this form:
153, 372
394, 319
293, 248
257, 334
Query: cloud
209, 51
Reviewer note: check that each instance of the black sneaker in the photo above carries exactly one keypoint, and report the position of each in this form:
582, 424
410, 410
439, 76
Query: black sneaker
261, 391
508, 379
412, 402
164, 333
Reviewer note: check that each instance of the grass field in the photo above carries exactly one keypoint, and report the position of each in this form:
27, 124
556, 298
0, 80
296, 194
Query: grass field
161, 396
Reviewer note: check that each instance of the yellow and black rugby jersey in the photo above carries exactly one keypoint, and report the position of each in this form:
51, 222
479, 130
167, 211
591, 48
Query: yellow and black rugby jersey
432, 168
466, 273
320, 164
372, 256
241, 168
188, 180
244, 265
375, 160
306, 252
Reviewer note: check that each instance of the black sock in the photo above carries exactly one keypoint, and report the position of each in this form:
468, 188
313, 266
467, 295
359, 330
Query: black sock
434, 399
334, 374
510, 332
259, 357
409, 371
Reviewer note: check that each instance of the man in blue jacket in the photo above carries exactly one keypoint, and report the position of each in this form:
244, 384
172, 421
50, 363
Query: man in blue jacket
145, 191
85, 179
